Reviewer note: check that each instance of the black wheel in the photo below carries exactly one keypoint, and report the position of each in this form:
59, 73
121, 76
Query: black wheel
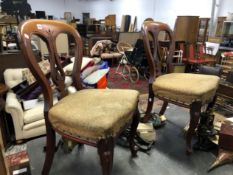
134, 74
125, 71
146, 73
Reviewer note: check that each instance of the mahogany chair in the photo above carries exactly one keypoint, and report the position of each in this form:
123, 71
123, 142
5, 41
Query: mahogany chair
90, 116
184, 89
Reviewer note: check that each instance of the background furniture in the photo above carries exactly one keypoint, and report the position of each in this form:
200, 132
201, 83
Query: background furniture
196, 55
129, 37
27, 123
226, 62
186, 29
83, 116
110, 22
203, 30
175, 87
12, 60
219, 26
61, 42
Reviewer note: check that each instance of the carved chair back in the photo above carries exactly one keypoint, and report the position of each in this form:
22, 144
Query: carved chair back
48, 31
153, 48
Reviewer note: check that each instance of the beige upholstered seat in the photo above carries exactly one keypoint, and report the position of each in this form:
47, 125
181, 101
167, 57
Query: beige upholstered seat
95, 113
186, 87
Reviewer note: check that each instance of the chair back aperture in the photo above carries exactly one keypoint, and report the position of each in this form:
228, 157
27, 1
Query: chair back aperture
154, 58
48, 31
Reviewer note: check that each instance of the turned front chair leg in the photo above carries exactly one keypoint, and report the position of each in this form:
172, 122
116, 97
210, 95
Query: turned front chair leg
195, 111
150, 102
133, 130
106, 150
50, 148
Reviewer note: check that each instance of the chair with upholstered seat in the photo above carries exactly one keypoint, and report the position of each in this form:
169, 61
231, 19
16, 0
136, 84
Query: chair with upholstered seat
90, 116
184, 89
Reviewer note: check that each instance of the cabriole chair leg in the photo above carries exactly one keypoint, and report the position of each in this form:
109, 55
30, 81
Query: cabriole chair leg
195, 111
106, 150
50, 149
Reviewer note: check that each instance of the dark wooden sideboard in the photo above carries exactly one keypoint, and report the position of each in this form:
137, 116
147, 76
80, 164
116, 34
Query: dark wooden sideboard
12, 60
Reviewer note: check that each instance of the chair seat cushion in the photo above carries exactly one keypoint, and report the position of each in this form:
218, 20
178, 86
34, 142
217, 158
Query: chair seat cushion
186, 87
93, 114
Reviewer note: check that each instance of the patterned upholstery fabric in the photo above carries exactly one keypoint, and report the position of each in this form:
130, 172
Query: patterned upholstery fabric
95, 113
186, 87
45, 67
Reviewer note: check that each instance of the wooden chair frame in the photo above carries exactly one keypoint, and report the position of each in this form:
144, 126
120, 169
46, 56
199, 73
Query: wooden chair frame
154, 60
48, 30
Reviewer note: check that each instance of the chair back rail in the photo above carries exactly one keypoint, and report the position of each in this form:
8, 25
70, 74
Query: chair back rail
48, 32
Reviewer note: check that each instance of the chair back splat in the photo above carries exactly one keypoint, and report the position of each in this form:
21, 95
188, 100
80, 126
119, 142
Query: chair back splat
152, 49
95, 117
48, 32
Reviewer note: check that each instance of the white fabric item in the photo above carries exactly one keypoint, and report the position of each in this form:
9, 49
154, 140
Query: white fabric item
68, 81
69, 68
35, 126
95, 76
13, 77
214, 46
71, 89
33, 131
34, 114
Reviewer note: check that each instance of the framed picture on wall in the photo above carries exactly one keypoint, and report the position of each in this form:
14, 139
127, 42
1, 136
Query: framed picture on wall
68, 16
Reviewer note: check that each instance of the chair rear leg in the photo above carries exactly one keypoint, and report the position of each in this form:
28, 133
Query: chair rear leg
150, 102
164, 107
50, 148
212, 103
195, 111
106, 150
133, 130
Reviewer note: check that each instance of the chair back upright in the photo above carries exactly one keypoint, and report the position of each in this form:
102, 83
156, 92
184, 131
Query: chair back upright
48, 31
152, 49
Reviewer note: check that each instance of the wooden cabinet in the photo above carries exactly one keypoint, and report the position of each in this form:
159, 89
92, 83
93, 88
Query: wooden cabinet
219, 27
203, 30
186, 29
227, 30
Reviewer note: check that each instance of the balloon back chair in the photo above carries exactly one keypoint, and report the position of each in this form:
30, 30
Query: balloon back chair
89, 116
184, 89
